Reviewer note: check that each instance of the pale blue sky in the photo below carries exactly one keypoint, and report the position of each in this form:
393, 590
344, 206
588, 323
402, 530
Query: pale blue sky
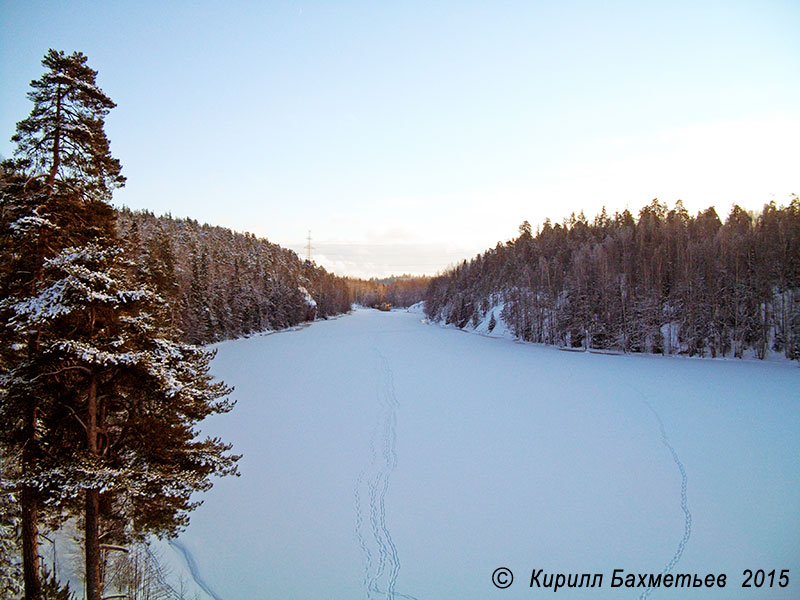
407, 136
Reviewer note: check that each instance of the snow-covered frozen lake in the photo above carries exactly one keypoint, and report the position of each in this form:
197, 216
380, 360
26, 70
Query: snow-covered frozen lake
386, 457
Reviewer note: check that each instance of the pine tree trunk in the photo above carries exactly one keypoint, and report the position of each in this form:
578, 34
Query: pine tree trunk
51, 177
92, 546
30, 544
92, 526
29, 505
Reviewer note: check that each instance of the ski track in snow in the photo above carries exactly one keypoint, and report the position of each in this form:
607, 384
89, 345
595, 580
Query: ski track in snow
193, 569
172, 594
383, 453
687, 515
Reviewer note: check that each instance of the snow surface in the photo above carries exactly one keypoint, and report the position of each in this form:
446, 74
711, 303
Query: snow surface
387, 457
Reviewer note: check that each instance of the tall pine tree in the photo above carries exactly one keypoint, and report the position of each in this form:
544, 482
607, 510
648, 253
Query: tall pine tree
98, 401
63, 139
53, 196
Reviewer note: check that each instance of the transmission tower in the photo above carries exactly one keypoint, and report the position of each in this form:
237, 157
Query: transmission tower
308, 246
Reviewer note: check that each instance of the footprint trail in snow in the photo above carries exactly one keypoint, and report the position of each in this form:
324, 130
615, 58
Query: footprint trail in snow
687, 516
382, 562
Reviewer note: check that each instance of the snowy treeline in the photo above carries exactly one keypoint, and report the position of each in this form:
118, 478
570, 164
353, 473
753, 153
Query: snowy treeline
222, 284
665, 282
402, 291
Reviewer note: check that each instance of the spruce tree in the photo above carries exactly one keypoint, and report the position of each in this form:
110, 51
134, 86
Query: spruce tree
28, 234
128, 400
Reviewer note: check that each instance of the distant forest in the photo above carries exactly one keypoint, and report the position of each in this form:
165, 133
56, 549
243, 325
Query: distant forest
221, 284
394, 292
666, 282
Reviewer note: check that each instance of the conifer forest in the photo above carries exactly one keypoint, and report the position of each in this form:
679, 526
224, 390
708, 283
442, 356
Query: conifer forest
665, 282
